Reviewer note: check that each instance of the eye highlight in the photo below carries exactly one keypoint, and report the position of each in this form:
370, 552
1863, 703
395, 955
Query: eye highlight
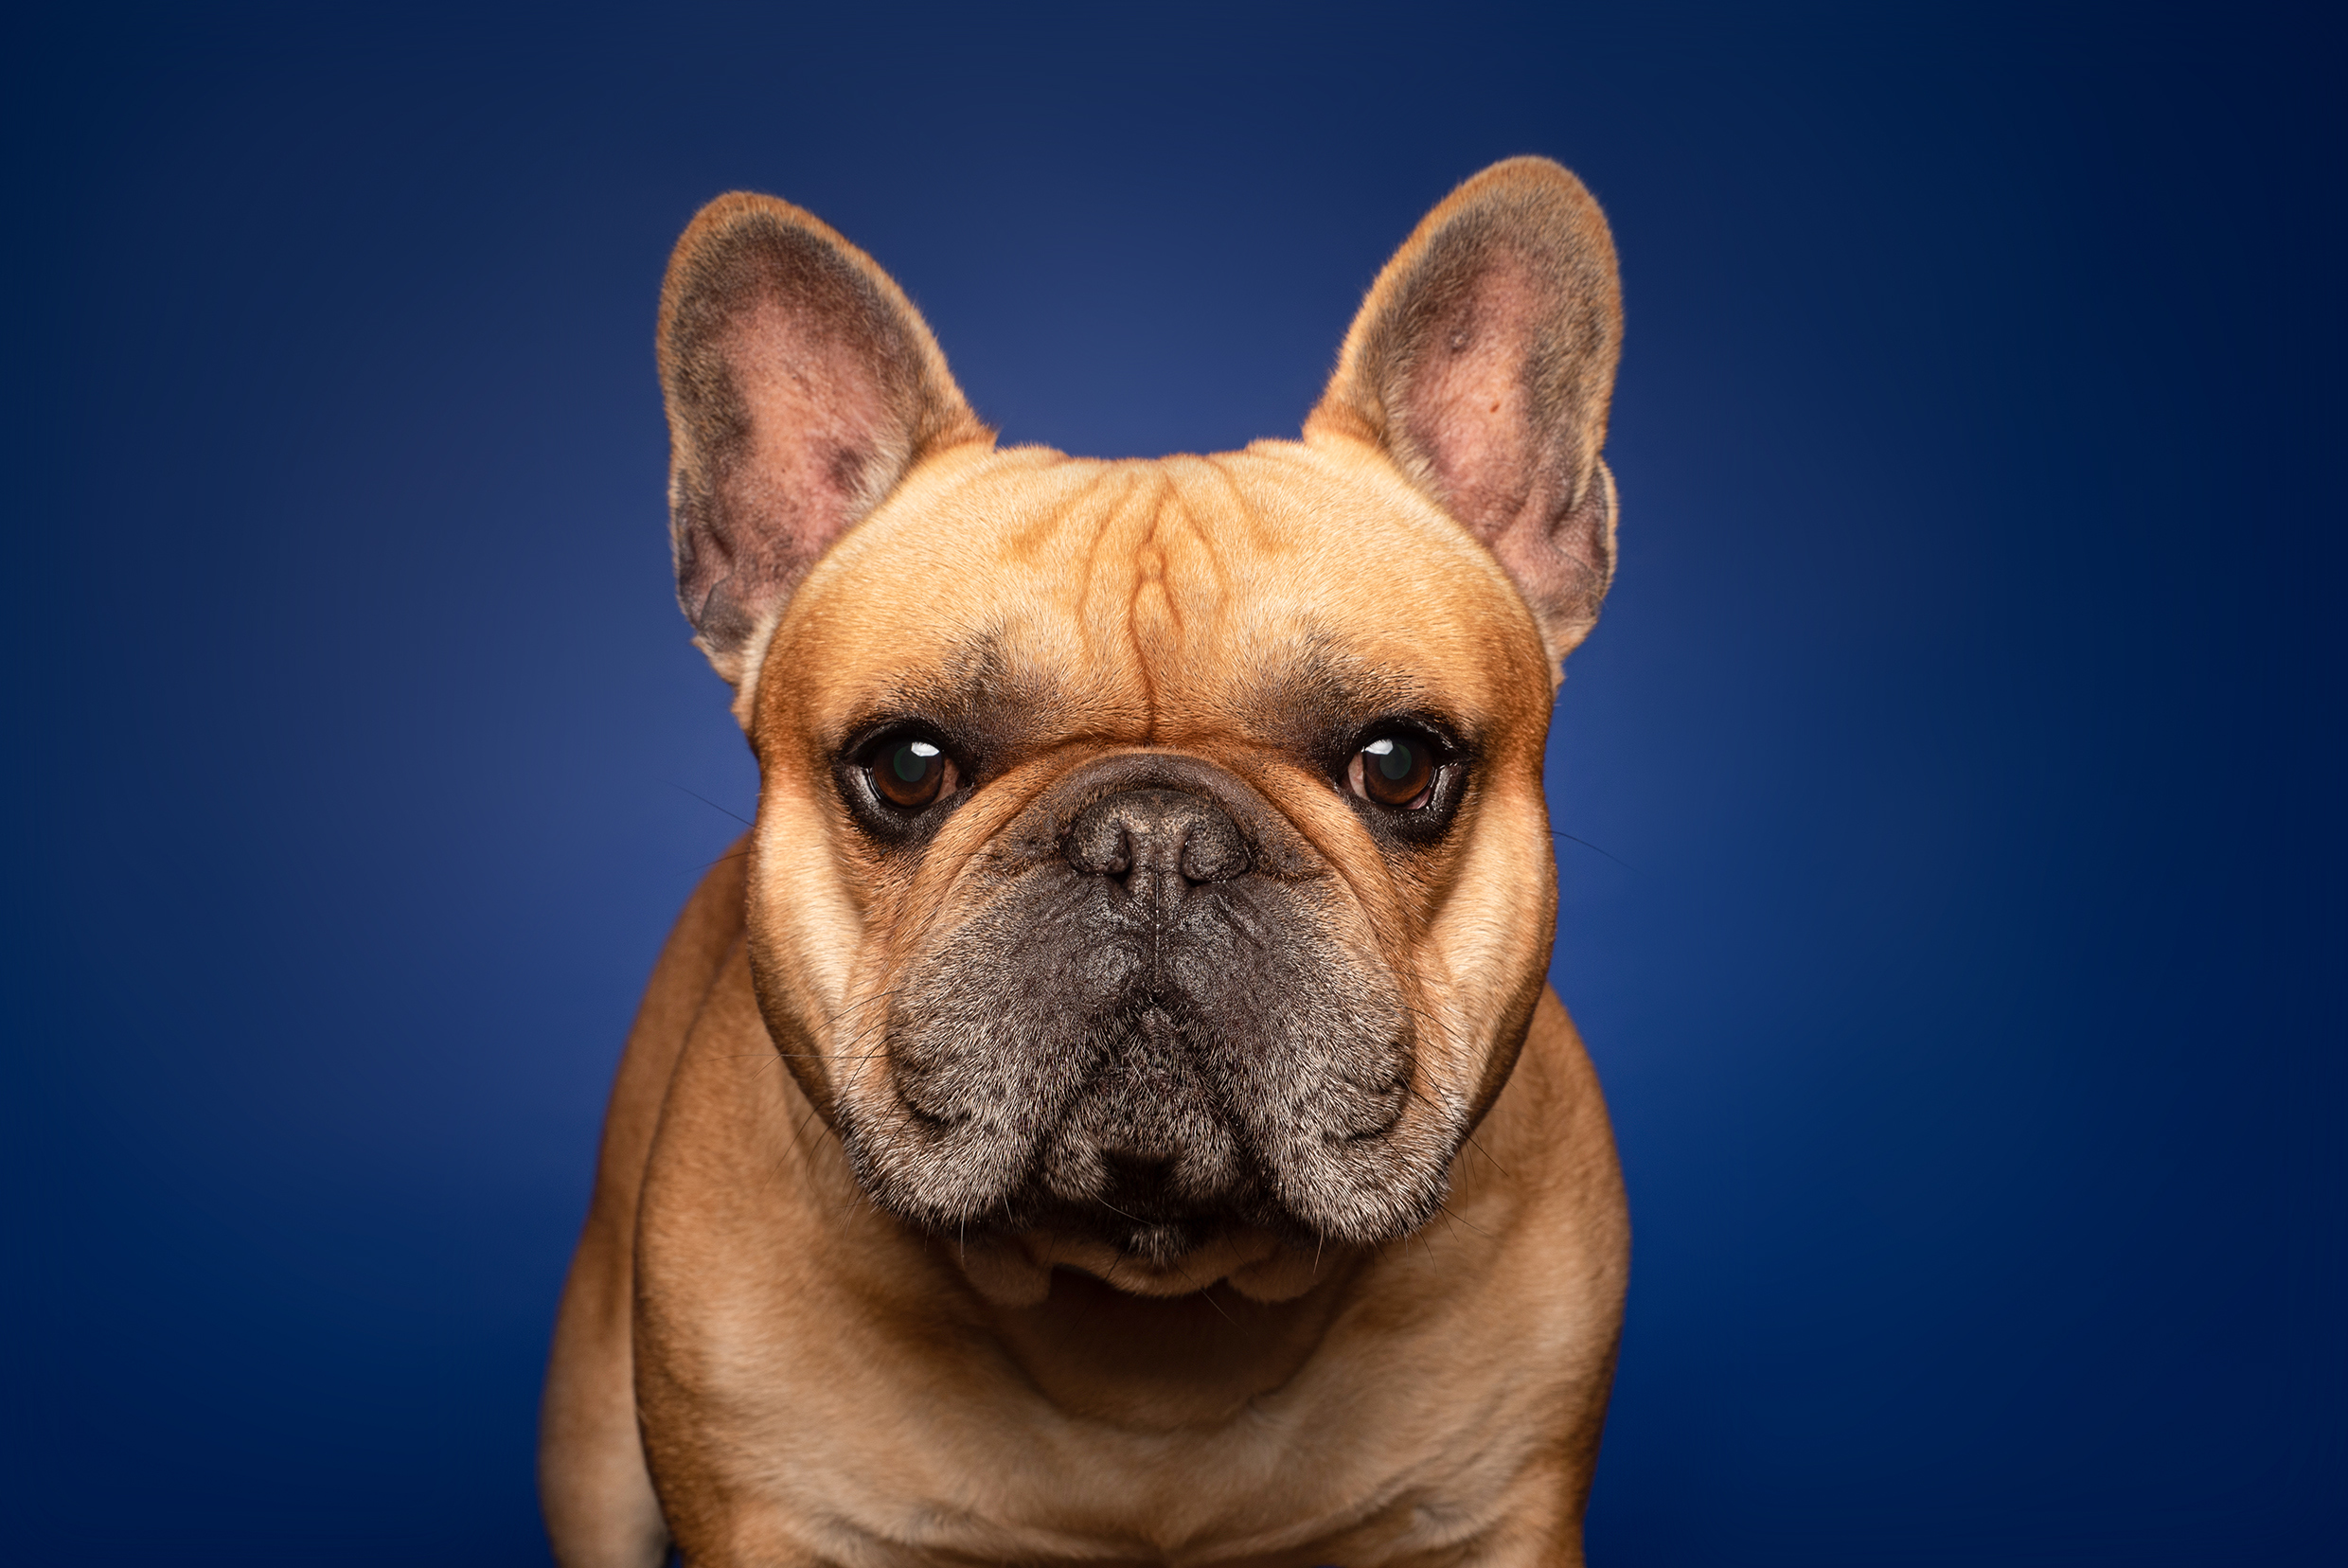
910, 773
1393, 771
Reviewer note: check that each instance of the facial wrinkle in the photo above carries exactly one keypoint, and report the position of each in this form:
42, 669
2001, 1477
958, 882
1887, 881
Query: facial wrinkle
1196, 517
1145, 608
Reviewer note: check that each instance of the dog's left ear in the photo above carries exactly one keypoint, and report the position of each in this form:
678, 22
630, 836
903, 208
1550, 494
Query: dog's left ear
1482, 363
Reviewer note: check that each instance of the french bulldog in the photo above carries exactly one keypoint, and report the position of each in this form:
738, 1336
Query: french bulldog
1113, 1110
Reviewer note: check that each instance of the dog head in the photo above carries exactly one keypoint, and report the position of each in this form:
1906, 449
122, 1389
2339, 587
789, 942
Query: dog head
1151, 872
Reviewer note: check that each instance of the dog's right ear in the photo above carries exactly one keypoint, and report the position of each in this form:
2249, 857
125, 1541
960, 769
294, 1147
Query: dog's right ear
1482, 363
801, 386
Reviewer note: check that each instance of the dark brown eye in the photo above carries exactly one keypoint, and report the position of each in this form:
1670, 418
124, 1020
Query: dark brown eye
1396, 771
910, 773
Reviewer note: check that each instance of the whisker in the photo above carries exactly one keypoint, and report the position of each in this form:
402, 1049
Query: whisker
1593, 848
711, 804
1450, 1213
1207, 1294
738, 854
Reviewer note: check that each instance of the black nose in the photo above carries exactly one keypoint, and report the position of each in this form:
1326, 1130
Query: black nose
1169, 838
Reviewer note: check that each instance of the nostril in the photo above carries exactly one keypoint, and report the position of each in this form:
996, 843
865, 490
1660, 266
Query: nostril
1213, 851
1097, 845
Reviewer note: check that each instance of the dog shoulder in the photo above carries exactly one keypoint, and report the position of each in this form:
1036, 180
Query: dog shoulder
706, 930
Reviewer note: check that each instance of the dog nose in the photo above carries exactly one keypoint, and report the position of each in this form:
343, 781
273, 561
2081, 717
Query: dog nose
1161, 835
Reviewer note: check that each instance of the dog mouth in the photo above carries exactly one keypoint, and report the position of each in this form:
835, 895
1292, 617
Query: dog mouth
1146, 1215
1145, 1163
1135, 1216
1014, 1267
1144, 1177
1107, 1242
1152, 1151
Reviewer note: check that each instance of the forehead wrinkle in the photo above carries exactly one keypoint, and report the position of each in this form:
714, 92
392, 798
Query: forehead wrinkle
1123, 563
1037, 539
1185, 586
1207, 581
1248, 513
1091, 518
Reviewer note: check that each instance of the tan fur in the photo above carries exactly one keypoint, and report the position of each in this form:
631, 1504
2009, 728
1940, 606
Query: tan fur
799, 1377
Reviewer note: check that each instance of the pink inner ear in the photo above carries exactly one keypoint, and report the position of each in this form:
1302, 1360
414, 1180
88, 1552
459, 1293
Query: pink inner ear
1468, 408
818, 419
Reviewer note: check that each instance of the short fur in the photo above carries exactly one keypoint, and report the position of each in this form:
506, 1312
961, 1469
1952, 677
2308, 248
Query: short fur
1155, 1150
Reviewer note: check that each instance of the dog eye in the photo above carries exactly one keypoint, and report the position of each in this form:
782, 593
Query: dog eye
910, 773
1394, 770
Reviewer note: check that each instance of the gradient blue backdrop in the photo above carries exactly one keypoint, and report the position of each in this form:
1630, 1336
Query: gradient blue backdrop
1963, 738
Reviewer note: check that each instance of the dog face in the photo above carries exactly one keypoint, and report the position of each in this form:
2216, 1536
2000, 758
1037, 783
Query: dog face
1173, 872
1151, 871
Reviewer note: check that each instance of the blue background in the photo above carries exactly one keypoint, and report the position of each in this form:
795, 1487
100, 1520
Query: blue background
1963, 736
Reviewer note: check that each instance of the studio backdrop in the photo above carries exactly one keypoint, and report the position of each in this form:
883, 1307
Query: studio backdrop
1948, 798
